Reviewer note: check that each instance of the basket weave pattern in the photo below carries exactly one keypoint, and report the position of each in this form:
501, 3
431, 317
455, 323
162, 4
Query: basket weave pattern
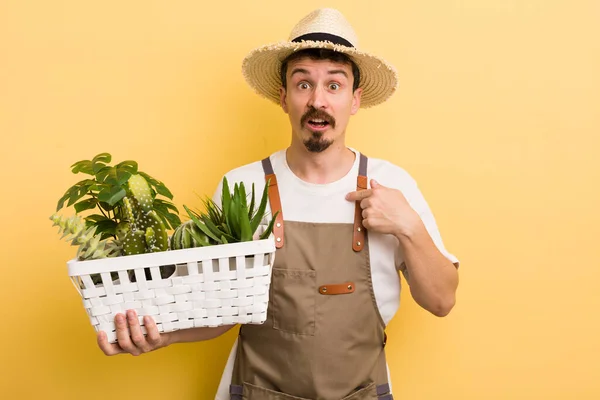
210, 286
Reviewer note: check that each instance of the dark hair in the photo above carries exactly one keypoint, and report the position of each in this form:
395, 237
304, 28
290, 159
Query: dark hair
321, 54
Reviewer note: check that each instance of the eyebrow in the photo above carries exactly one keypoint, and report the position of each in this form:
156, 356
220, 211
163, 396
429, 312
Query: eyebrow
331, 72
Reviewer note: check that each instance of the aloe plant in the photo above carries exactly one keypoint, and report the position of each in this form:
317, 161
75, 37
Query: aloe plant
235, 220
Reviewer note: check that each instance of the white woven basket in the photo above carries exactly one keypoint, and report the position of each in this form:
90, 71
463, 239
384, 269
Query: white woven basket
211, 286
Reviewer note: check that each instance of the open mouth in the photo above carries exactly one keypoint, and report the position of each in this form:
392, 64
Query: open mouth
317, 124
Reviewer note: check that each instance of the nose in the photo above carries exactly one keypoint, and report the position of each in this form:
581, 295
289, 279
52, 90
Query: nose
317, 99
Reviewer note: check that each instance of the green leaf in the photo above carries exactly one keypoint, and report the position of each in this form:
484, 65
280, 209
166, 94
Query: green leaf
103, 173
105, 206
111, 177
242, 195
166, 204
225, 197
64, 198
102, 157
201, 241
95, 218
86, 204
112, 196
251, 206
233, 220
269, 229
75, 195
169, 219
200, 225
107, 226
98, 166
122, 176
261, 209
84, 166
246, 233
129, 166
162, 190
209, 224
173, 220
157, 185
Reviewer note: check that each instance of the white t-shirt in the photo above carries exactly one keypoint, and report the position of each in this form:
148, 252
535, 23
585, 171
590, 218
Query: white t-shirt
309, 202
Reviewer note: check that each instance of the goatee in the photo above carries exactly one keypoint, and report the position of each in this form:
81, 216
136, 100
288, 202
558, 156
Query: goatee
316, 143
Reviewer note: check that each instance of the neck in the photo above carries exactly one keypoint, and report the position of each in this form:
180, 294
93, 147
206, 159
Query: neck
321, 168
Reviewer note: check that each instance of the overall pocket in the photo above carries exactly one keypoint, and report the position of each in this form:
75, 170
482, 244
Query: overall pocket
252, 392
293, 300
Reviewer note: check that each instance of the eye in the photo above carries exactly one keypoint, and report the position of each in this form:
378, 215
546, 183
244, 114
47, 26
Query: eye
303, 85
334, 86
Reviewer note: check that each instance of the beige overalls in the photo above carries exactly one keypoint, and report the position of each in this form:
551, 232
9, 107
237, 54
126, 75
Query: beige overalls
323, 338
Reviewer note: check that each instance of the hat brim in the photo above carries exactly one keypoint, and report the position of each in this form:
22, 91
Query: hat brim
262, 68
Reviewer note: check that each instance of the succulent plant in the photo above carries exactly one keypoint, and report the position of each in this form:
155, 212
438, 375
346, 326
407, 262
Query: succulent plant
188, 235
235, 220
91, 246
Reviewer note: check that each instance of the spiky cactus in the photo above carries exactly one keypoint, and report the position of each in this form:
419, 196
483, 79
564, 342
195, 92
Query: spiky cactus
188, 235
90, 245
144, 231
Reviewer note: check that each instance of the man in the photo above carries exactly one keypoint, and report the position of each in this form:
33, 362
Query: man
340, 238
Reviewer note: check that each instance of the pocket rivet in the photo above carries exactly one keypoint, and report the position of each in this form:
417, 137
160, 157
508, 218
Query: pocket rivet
324, 290
358, 243
278, 225
279, 239
358, 229
349, 287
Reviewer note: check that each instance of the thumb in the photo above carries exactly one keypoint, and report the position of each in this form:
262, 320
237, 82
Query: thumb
375, 184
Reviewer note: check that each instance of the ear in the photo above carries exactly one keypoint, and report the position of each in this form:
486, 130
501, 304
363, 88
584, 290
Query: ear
356, 101
282, 99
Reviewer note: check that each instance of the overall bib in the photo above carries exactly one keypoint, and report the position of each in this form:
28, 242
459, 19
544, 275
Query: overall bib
323, 338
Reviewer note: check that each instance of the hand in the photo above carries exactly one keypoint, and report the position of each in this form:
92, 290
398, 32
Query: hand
385, 210
130, 338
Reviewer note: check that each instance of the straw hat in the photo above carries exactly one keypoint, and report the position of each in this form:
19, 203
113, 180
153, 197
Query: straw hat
324, 28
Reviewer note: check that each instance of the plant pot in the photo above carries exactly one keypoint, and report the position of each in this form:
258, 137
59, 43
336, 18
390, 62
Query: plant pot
210, 286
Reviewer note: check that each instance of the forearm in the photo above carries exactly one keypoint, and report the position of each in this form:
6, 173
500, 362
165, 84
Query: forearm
433, 278
197, 334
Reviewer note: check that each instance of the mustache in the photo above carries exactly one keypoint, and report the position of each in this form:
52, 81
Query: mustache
313, 113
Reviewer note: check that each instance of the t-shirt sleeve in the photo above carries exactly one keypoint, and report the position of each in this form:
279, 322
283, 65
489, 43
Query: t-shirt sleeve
417, 201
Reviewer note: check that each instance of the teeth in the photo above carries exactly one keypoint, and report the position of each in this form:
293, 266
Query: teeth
319, 121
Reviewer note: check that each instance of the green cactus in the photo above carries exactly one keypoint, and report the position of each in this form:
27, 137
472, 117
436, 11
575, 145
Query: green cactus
90, 245
188, 235
144, 231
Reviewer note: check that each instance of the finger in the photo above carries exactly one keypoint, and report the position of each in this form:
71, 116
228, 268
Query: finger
123, 335
375, 184
152, 335
367, 223
137, 336
366, 203
358, 195
109, 349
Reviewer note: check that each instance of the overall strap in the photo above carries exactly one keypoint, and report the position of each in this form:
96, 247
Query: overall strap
274, 200
358, 237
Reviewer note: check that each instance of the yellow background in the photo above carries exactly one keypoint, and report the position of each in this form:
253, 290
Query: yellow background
497, 117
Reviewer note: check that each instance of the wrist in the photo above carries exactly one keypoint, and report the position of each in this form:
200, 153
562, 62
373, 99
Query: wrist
171, 338
407, 231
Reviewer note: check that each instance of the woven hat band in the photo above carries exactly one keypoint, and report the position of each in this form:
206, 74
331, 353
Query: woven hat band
323, 37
